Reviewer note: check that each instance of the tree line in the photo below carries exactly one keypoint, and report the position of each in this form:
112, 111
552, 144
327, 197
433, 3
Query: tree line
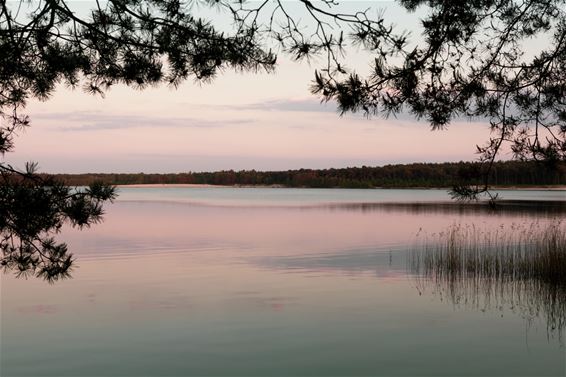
448, 174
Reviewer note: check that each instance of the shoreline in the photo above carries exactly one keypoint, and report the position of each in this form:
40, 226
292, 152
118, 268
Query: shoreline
199, 185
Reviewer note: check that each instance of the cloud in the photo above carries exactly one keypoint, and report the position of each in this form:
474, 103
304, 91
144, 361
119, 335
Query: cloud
314, 105
96, 121
300, 105
282, 104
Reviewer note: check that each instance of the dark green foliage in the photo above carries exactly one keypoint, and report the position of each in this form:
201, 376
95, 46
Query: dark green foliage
445, 175
137, 43
31, 209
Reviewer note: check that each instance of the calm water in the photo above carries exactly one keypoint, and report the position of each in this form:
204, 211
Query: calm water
222, 281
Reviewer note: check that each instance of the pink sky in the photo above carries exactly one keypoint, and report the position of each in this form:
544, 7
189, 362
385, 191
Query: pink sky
239, 121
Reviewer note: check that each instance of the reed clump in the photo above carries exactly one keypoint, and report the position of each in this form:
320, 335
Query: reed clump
522, 267
516, 253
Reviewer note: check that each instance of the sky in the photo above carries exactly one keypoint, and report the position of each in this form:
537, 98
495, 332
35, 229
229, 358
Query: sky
238, 121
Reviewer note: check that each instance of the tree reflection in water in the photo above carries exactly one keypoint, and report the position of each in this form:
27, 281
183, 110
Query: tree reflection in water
521, 268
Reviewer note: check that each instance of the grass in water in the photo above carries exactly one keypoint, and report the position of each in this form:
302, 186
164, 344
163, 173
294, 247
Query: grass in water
522, 267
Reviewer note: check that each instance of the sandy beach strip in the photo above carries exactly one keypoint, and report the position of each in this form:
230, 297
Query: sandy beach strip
172, 185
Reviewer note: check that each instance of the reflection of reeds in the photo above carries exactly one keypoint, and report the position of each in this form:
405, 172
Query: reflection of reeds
523, 267
538, 208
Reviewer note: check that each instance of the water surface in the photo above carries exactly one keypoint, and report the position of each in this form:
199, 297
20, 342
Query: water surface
224, 281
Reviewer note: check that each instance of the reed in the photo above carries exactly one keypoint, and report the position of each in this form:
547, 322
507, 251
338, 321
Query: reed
522, 267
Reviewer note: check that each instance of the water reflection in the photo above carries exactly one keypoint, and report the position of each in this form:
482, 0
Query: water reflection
503, 207
141, 227
382, 262
521, 269
178, 289
531, 299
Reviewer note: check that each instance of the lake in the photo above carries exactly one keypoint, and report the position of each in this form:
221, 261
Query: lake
265, 281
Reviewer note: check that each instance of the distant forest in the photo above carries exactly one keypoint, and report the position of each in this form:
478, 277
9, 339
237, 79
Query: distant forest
508, 173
